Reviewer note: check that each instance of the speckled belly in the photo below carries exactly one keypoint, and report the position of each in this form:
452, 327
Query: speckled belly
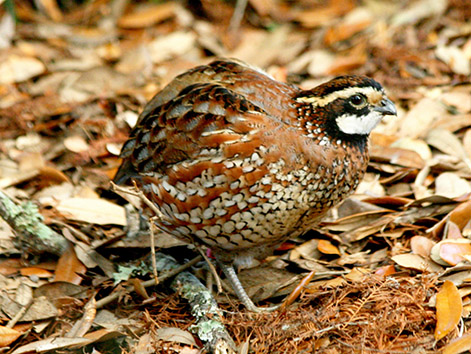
262, 205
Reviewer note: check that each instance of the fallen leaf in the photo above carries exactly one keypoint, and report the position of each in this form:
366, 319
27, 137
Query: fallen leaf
38, 272
385, 271
92, 210
458, 345
455, 58
461, 215
451, 252
171, 45
16, 68
449, 307
51, 343
414, 261
419, 10
421, 245
417, 145
327, 247
8, 336
173, 334
69, 268
76, 143
147, 16
449, 184
417, 121
356, 21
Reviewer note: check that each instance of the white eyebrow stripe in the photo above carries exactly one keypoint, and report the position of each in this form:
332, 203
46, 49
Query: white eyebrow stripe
369, 92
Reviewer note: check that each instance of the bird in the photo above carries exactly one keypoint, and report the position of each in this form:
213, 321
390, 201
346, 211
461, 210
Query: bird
240, 162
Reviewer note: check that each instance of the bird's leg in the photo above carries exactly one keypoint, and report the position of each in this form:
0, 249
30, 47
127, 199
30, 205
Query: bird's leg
233, 279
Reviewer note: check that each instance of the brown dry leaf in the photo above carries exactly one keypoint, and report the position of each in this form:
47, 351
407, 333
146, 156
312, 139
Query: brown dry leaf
96, 82
397, 156
93, 211
76, 144
272, 44
8, 336
51, 344
357, 274
417, 121
139, 288
354, 221
458, 99
447, 142
417, 145
69, 267
171, 45
343, 64
40, 309
102, 335
451, 252
38, 272
148, 15
145, 345
449, 307
449, 184
461, 215
327, 247
419, 10
56, 290
356, 21
421, 245
414, 261
385, 271
173, 334
458, 345
322, 15
10, 266
255, 282
307, 250
17, 68
452, 231
455, 58
317, 62
53, 175
31, 161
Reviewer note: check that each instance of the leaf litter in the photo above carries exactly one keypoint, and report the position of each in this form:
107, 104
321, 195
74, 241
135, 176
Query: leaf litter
384, 272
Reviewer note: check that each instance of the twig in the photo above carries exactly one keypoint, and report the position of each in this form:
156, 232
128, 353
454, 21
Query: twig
237, 16
138, 193
212, 269
19, 315
27, 222
152, 249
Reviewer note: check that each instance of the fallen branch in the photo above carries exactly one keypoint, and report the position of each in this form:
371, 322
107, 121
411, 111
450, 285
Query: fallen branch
208, 327
30, 230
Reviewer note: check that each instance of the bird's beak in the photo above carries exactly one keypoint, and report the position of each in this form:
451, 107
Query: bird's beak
386, 107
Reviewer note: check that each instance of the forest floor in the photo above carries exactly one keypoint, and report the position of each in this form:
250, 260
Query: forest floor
387, 271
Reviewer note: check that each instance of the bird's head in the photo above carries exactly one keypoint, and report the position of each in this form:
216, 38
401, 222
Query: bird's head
351, 105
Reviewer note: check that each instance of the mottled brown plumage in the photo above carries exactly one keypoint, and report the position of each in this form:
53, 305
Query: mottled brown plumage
240, 162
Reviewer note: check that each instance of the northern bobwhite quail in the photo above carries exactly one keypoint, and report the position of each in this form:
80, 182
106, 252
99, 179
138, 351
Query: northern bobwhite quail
240, 162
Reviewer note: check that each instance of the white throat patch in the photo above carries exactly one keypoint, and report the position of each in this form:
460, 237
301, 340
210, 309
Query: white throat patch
352, 124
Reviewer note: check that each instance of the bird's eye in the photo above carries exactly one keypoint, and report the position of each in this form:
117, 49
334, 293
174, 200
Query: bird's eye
358, 101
